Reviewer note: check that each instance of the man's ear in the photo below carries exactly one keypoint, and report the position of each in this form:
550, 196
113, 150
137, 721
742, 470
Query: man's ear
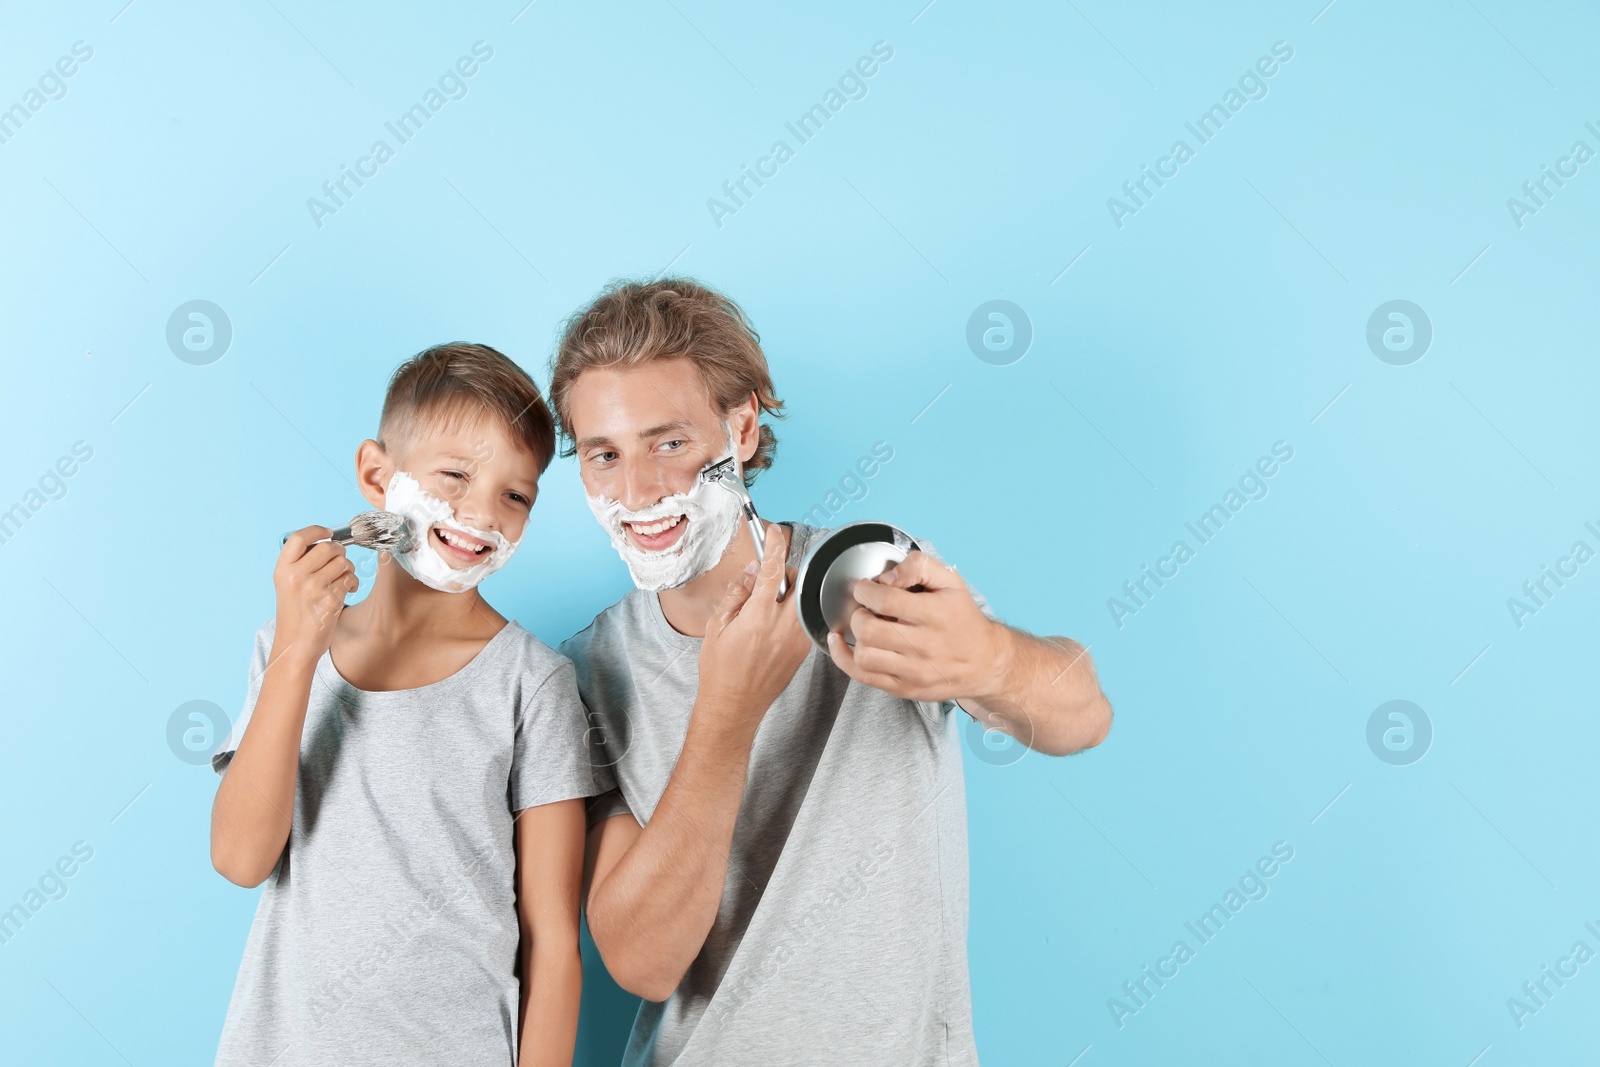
373, 471
746, 422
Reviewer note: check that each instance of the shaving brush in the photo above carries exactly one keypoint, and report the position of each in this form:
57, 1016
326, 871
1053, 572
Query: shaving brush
381, 531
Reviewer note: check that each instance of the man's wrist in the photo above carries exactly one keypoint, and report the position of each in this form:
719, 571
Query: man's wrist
993, 678
723, 722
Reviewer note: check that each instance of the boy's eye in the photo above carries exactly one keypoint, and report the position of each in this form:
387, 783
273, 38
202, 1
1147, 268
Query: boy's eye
519, 498
452, 474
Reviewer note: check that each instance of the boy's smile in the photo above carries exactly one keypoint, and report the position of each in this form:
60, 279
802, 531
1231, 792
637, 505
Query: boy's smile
456, 547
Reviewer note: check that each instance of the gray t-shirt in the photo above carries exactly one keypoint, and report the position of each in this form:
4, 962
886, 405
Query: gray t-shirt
842, 933
388, 932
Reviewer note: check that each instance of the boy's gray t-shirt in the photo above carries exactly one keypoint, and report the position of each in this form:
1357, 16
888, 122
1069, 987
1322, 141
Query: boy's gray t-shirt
842, 933
388, 932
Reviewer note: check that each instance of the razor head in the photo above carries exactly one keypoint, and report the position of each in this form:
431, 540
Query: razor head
382, 531
724, 472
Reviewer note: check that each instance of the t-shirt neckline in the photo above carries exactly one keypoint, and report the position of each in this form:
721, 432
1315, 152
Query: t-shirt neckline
330, 673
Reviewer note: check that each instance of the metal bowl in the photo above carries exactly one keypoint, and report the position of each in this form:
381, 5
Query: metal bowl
834, 564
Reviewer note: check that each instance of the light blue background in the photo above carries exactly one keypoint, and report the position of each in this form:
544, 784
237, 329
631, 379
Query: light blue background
1228, 314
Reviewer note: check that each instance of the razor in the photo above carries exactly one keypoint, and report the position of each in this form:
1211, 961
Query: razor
725, 473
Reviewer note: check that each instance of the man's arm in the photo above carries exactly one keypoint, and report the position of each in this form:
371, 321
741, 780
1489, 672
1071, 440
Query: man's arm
1048, 698
936, 644
550, 847
653, 891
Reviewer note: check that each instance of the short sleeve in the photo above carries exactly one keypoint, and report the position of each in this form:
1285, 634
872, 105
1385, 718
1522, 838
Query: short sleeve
934, 707
605, 806
258, 669
552, 759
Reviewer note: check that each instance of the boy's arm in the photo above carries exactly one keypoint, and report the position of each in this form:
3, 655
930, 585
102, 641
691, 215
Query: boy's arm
549, 845
252, 813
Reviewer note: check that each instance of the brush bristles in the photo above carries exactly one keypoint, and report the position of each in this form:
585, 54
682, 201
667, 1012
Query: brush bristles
382, 531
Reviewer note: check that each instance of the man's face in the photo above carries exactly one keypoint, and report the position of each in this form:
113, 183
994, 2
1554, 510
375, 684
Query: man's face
489, 480
643, 433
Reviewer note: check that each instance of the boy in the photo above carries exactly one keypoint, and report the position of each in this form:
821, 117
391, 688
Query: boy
383, 749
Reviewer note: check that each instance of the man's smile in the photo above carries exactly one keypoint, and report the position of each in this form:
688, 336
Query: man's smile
657, 534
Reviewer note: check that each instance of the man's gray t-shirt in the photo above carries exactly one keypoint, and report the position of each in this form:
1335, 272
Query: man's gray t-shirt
388, 932
842, 933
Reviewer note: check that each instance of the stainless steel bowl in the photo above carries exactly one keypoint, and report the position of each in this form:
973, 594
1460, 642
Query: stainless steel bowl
834, 564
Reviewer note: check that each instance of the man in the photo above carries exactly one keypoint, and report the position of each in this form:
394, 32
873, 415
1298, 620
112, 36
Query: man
782, 872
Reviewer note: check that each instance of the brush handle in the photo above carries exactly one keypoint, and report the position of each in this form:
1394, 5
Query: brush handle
341, 536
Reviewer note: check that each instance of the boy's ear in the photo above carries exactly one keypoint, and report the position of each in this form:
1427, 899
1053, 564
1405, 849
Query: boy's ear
373, 471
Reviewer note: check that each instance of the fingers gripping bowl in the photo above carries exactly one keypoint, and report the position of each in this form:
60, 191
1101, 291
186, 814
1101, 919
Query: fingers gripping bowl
835, 562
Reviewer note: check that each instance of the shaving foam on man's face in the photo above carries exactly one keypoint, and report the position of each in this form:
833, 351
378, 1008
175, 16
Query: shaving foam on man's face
447, 555
678, 538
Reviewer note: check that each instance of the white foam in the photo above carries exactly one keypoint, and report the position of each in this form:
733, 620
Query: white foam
423, 511
713, 516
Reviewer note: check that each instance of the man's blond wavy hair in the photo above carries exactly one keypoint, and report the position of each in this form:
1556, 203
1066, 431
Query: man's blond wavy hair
631, 323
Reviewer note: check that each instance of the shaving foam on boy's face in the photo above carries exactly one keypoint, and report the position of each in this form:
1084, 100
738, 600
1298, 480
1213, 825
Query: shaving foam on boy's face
447, 555
678, 538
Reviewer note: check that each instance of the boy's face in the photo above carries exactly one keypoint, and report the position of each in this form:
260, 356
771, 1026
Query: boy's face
487, 477
643, 433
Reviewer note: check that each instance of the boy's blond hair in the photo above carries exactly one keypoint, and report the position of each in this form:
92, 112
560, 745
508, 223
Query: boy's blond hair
458, 384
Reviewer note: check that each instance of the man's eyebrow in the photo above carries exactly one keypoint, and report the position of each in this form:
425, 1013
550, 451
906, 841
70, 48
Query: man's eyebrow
666, 427
585, 443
